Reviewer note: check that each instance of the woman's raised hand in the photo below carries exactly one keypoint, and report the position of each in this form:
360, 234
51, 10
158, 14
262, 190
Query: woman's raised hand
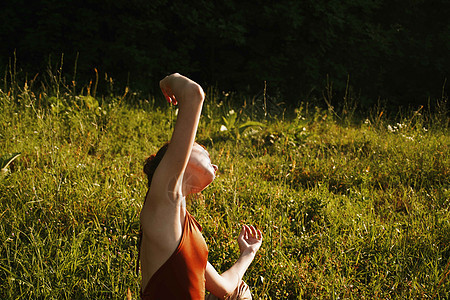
250, 239
177, 87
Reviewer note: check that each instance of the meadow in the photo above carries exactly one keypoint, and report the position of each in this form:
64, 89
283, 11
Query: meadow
351, 207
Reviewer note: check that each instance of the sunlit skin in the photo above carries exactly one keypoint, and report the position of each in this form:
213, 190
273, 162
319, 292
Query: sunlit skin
200, 172
186, 168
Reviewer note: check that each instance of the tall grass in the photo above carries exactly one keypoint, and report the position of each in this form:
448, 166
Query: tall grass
348, 209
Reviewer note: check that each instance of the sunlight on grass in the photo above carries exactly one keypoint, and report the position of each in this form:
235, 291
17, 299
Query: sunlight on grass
348, 209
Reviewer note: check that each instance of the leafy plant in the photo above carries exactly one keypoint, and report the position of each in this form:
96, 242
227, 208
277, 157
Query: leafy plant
233, 125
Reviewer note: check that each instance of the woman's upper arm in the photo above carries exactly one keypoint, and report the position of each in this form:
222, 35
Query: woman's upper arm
189, 96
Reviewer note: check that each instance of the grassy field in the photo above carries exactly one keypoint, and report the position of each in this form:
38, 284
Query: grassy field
349, 209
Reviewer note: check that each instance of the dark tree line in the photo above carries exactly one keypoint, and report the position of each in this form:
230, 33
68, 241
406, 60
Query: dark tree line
376, 49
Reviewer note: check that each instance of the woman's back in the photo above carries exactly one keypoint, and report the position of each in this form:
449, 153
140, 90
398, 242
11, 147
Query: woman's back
182, 276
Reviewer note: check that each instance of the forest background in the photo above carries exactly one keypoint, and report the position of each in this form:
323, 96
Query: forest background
396, 52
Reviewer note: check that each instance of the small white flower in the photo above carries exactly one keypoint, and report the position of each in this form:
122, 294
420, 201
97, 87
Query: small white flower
401, 125
223, 128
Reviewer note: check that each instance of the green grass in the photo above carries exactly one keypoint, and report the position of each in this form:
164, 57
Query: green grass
349, 210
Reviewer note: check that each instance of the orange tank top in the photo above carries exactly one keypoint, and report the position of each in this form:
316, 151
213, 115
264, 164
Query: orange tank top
182, 276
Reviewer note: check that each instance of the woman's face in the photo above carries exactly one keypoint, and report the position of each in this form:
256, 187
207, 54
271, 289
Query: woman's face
199, 172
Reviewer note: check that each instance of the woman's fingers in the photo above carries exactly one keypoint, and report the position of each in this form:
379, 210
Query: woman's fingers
170, 98
249, 231
166, 89
254, 233
243, 230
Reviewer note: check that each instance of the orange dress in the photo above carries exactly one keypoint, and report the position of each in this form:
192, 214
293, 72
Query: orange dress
182, 276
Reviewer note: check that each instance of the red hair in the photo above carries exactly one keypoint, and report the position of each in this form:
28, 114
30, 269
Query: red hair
152, 162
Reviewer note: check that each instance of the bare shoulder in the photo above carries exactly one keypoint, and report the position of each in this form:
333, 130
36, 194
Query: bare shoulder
161, 204
160, 215
166, 186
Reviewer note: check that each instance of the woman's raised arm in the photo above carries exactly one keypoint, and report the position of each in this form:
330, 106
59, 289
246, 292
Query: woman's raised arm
189, 96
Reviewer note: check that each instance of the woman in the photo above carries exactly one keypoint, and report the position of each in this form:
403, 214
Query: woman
173, 253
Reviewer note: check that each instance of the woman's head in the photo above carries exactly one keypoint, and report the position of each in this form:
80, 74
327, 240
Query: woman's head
199, 172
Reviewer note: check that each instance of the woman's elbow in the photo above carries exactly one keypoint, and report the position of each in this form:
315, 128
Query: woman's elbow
227, 290
223, 290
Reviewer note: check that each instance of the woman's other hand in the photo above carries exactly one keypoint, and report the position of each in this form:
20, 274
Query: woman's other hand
249, 240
